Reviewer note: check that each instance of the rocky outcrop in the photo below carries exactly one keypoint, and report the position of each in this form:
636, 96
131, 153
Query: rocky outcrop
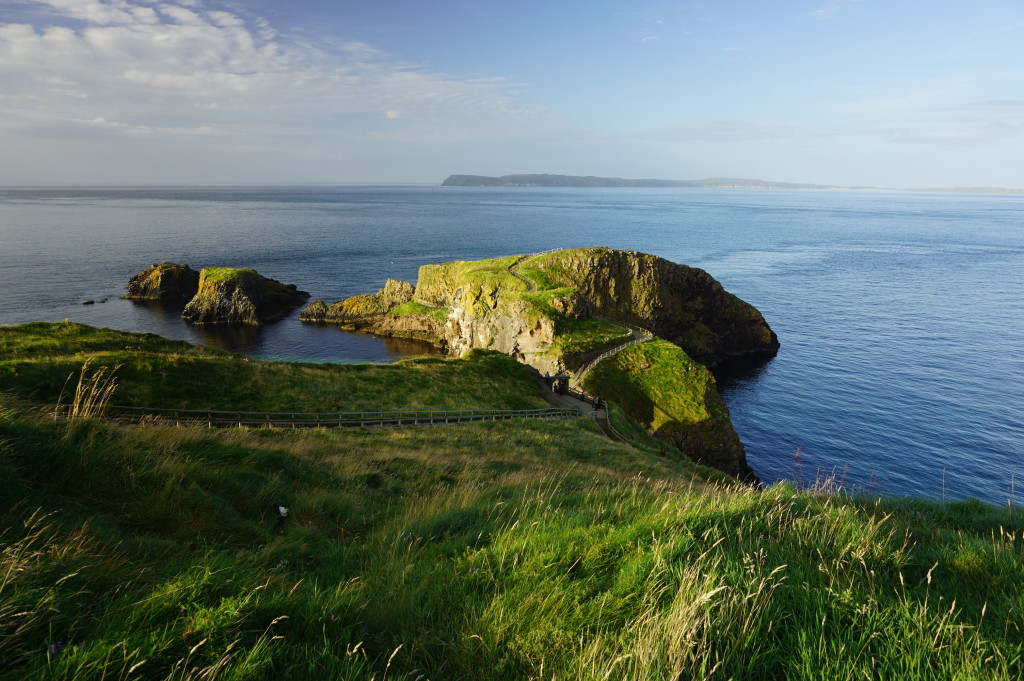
240, 296
676, 399
542, 309
684, 305
390, 311
360, 308
163, 281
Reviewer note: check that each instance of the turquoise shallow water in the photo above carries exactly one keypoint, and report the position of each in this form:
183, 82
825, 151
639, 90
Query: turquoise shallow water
900, 315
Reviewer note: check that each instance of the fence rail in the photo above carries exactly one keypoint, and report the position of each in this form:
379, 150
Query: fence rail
360, 419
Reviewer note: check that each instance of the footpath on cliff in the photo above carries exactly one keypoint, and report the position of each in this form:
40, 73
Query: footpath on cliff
584, 407
574, 398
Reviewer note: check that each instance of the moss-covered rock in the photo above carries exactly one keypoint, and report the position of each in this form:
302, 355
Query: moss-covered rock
356, 308
676, 399
163, 281
389, 312
550, 311
240, 296
684, 305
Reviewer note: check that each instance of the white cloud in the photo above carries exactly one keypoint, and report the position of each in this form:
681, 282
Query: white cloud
103, 13
169, 69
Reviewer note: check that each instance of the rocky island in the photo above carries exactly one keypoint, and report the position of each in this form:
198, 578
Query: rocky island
217, 295
163, 281
559, 311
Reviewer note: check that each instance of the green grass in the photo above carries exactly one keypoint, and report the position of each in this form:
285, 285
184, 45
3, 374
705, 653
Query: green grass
36, 360
548, 271
227, 273
414, 308
496, 551
512, 550
657, 384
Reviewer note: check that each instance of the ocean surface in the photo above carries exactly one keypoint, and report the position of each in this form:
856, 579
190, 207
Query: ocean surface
901, 315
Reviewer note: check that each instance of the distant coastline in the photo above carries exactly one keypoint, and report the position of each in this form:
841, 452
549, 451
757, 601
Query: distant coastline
550, 180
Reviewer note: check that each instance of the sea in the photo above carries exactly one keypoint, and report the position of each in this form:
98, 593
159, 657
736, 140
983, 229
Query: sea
900, 315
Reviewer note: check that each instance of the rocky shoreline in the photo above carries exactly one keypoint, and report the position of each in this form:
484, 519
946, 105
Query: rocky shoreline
217, 295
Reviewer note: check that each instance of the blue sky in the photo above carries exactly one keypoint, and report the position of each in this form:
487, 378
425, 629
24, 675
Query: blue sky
895, 93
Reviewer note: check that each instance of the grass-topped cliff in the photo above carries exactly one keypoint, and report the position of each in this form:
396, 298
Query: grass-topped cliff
558, 311
511, 550
230, 295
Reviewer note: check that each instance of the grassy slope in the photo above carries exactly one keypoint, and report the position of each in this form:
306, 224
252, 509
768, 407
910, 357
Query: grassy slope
37, 360
659, 386
493, 551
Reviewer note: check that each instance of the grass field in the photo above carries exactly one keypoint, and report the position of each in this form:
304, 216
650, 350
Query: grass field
513, 550
36, 360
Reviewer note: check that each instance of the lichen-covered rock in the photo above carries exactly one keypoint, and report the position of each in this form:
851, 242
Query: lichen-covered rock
360, 307
163, 281
542, 310
682, 304
240, 296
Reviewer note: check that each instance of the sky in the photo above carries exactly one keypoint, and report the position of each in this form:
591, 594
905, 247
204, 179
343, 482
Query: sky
886, 93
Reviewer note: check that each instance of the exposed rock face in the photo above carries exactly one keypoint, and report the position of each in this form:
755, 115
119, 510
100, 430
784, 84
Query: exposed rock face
240, 296
488, 312
380, 313
684, 305
360, 308
163, 281
537, 309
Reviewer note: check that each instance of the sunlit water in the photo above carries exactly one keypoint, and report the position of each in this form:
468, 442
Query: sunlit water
900, 315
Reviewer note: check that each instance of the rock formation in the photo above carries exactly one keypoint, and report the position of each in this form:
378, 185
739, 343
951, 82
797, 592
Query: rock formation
684, 305
163, 281
362, 307
389, 312
554, 311
240, 296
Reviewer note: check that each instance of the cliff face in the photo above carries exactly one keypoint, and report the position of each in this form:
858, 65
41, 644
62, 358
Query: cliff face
684, 305
240, 296
163, 281
546, 311
489, 308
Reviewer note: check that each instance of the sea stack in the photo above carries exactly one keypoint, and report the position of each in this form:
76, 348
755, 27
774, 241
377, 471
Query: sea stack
163, 281
240, 296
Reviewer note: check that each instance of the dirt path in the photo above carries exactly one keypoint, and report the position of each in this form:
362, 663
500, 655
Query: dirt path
512, 271
600, 416
639, 336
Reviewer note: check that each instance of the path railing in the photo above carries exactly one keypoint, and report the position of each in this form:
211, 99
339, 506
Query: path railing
357, 419
639, 336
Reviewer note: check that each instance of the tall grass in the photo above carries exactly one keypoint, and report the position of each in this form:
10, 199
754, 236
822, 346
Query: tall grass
92, 394
497, 551
35, 360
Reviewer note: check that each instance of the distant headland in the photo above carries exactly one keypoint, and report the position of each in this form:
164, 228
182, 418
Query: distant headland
550, 180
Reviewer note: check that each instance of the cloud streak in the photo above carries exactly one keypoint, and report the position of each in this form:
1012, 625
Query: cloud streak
167, 69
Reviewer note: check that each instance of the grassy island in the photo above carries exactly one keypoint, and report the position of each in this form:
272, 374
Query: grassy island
509, 550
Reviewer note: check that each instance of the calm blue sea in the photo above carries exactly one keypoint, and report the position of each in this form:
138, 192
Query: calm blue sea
901, 316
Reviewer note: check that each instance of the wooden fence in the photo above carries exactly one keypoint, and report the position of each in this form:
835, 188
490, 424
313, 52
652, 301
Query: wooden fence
359, 419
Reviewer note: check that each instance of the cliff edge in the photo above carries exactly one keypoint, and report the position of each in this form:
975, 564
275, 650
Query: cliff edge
557, 311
